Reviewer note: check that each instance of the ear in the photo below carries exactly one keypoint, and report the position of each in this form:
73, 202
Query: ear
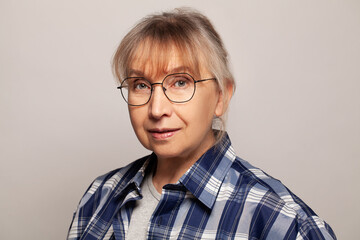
224, 99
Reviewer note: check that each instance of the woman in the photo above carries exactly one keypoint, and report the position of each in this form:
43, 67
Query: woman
174, 76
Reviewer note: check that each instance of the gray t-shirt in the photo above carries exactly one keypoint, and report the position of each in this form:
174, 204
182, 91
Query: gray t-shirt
143, 210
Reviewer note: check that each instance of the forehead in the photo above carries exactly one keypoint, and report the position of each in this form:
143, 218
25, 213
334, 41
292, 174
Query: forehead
155, 59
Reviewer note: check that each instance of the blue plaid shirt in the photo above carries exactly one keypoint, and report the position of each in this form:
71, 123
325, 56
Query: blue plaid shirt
220, 197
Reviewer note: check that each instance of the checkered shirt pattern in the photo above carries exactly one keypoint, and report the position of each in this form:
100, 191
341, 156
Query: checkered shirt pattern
220, 197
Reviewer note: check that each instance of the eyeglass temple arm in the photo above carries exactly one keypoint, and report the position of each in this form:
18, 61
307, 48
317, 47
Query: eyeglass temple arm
203, 80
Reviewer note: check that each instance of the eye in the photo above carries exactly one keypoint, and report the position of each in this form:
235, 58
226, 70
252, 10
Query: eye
179, 82
140, 84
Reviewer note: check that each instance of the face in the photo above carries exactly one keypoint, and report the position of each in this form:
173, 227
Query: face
175, 130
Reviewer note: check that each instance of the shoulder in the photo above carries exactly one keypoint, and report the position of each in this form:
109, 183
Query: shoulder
254, 179
102, 189
272, 203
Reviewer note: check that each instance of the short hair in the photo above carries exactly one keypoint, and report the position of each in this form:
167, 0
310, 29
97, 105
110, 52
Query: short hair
191, 33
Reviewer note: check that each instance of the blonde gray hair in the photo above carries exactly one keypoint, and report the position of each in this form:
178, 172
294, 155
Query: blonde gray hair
191, 33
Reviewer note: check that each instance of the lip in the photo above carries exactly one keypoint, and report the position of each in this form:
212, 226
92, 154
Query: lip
163, 133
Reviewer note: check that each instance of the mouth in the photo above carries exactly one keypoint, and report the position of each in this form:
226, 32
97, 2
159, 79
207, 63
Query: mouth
163, 133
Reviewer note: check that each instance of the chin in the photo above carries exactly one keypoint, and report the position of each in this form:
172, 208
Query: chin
167, 152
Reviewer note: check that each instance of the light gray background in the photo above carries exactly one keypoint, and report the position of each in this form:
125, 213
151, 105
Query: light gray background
295, 113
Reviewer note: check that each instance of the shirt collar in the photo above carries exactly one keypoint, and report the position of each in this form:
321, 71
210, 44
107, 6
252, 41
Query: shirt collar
204, 178
144, 169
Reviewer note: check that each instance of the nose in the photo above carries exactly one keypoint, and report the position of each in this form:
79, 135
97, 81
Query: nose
159, 104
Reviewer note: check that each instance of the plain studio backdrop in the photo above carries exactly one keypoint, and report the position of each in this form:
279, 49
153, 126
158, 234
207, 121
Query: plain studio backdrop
295, 112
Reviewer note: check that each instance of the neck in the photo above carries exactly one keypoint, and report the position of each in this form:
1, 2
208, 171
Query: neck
170, 170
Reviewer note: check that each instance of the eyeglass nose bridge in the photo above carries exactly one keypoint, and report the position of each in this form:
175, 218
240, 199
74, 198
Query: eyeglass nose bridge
159, 83
152, 89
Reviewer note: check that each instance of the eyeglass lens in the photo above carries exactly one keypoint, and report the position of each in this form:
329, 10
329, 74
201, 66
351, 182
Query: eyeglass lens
178, 87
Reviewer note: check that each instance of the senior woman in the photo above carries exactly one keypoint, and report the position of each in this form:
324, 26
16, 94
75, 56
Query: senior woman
174, 76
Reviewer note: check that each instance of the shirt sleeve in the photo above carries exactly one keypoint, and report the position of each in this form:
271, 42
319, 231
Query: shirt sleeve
79, 220
86, 208
315, 228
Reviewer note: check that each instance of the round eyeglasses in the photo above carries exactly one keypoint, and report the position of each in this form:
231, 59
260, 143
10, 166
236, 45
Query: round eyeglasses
177, 87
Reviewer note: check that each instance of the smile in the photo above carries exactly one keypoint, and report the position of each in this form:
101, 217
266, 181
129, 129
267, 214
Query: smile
162, 134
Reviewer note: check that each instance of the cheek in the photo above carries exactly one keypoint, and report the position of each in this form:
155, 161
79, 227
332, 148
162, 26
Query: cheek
132, 118
199, 114
207, 104
137, 119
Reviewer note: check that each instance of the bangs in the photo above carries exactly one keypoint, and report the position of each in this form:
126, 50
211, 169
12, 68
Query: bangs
152, 56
